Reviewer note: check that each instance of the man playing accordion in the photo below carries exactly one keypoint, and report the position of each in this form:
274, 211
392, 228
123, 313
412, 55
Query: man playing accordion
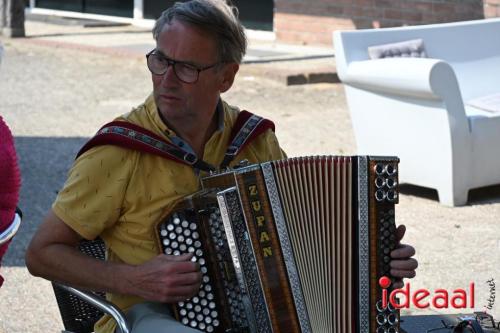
119, 194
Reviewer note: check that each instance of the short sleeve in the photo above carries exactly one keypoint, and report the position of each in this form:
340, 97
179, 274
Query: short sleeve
275, 149
267, 147
92, 197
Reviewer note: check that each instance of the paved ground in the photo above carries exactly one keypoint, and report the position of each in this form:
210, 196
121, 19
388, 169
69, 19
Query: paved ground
54, 97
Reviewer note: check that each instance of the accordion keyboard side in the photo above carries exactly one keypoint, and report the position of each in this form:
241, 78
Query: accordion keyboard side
195, 226
383, 195
244, 261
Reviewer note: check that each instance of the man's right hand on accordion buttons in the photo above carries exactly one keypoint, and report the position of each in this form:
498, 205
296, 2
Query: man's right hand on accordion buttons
166, 278
402, 263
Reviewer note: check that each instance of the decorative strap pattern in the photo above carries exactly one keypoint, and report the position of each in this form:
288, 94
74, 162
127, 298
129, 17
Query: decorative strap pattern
246, 128
131, 136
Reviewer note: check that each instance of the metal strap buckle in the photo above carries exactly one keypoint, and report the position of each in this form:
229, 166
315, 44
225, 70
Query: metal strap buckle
190, 158
232, 150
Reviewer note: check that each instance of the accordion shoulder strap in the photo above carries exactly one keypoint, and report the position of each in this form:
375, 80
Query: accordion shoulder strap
131, 136
127, 135
247, 127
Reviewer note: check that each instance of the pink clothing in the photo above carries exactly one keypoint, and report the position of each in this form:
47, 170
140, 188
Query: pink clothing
10, 181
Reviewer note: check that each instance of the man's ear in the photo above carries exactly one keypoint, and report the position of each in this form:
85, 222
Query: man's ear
229, 73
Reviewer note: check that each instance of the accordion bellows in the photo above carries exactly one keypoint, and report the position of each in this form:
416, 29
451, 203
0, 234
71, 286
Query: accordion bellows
296, 245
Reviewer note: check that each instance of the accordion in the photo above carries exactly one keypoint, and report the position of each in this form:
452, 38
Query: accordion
296, 245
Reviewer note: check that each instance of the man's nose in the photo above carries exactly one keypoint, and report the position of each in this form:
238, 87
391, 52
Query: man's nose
169, 76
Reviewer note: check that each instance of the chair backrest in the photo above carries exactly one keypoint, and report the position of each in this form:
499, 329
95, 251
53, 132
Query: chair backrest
462, 42
472, 48
77, 315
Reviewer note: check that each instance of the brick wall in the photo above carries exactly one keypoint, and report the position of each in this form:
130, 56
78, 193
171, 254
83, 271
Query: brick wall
491, 8
312, 21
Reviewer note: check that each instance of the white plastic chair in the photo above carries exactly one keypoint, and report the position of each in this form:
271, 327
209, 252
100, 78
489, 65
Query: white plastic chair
416, 108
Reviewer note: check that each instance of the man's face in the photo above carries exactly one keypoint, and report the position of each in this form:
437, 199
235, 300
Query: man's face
179, 101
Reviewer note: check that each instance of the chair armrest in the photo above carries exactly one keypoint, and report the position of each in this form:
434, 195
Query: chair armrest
8, 233
101, 304
417, 77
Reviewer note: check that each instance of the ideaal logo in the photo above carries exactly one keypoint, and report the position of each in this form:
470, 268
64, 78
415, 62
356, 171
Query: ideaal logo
439, 299
423, 298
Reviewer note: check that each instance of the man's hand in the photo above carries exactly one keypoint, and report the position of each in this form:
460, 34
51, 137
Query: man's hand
166, 278
402, 265
53, 254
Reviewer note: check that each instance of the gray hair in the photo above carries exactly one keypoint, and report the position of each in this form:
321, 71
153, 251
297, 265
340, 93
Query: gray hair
214, 16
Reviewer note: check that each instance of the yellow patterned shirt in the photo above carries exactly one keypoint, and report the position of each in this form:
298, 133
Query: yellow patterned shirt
119, 194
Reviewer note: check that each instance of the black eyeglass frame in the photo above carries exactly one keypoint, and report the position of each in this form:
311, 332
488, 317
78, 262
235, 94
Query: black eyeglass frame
171, 62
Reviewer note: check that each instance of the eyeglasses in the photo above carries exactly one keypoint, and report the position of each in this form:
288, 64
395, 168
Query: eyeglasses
158, 64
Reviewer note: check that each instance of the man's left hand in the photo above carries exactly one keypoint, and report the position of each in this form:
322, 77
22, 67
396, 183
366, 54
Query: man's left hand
402, 265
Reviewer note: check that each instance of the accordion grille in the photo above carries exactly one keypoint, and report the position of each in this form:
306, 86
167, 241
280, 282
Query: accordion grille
316, 195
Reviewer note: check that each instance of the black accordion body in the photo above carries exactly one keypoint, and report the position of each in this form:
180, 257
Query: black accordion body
296, 245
